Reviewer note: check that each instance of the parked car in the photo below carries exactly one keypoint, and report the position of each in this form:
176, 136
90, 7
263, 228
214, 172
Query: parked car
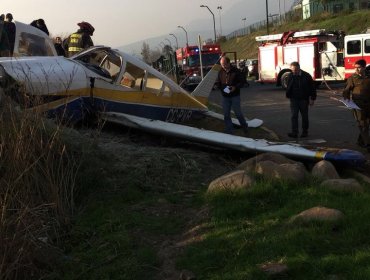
252, 65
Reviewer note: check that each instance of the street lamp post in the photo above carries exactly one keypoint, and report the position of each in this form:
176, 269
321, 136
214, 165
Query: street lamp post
186, 33
272, 17
219, 8
279, 12
169, 42
214, 22
177, 45
267, 17
244, 19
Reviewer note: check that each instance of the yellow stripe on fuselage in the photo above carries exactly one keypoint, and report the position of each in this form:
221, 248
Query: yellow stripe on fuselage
320, 155
174, 100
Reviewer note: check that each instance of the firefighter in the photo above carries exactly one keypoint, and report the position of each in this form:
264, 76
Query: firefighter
358, 89
79, 40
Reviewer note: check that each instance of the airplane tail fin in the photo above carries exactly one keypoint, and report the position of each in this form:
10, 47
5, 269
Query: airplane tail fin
205, 87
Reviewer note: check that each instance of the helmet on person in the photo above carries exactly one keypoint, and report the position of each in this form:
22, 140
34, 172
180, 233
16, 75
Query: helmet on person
86, 27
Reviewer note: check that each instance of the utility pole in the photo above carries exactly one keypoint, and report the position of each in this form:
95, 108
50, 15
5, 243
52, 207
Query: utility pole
267, 17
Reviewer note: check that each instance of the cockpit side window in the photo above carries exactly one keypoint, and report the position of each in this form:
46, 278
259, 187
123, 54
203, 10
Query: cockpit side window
33, 45
133, 77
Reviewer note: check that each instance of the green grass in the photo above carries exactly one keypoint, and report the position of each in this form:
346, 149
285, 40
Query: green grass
134, 204
252, 227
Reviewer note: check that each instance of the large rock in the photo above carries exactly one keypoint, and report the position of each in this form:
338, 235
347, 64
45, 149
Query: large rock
325, 170
250, 164
274, 269
347, 185
235, 180
288, 171
318, 213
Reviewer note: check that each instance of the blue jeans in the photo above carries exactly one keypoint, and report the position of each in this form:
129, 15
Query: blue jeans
234, 103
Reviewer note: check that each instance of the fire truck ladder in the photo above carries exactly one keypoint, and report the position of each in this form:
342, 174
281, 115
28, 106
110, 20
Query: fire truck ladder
294, 34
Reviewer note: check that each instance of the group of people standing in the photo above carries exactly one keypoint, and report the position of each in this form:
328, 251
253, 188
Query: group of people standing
74, 43
7, 34
301, 92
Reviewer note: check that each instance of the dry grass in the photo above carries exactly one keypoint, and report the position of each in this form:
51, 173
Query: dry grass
37, 181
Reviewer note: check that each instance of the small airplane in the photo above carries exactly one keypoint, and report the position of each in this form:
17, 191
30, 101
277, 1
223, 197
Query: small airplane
121, 88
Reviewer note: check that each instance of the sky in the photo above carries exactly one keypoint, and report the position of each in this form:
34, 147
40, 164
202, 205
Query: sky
121, 22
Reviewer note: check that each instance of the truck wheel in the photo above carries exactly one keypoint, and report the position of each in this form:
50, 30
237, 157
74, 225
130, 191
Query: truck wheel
284, 80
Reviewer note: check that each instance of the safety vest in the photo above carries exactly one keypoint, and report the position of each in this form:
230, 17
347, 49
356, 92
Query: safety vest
75, 43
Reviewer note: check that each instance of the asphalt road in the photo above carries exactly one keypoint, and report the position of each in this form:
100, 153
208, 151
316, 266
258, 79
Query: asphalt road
329, 119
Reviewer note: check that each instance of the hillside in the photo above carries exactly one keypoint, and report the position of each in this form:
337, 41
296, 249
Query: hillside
350, 23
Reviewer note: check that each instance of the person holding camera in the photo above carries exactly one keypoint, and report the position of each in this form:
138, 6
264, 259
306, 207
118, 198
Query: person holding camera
230, 81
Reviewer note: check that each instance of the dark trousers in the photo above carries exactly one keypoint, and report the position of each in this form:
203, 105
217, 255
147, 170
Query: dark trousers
363, 121
296, 106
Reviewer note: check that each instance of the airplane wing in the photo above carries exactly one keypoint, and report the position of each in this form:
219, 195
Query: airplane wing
343, 156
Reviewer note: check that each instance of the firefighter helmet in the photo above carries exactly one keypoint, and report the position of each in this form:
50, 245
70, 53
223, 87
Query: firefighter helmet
87, 27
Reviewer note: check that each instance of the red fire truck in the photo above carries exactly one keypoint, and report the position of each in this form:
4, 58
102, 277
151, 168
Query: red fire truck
327, 56
188, 62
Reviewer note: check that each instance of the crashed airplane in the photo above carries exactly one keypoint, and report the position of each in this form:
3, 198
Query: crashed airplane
121, 88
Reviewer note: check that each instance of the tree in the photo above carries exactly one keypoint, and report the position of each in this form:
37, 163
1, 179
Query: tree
145, 53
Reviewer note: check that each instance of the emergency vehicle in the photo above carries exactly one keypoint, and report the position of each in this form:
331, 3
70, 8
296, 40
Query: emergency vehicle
188, 61
326, 56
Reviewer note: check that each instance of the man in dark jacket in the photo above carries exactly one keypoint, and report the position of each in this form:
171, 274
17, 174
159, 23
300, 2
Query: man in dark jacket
230, 82
358, 89
59, 47
302, 92
79, 40
40, 24
10, 31
4, 42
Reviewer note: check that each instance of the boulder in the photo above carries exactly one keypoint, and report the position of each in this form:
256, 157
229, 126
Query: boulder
288, 171
235, 180
250, 164
347, 185
325, 170
274, 269
318, 213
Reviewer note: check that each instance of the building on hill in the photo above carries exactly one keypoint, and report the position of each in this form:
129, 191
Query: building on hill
313, 7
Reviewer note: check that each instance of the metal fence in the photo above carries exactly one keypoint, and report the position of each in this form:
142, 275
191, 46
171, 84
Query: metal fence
304, 11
